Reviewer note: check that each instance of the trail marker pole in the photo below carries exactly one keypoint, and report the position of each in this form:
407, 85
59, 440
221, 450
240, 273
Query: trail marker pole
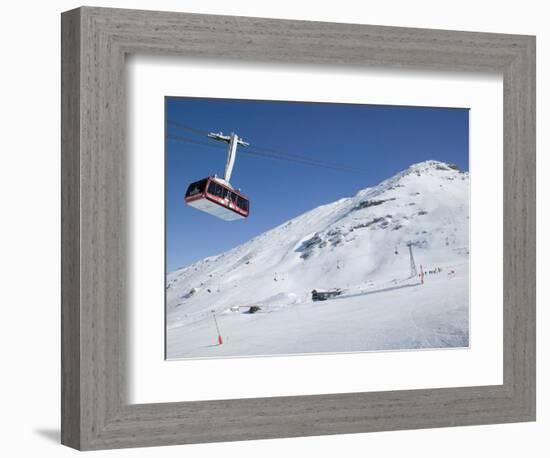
220, 339
421, 275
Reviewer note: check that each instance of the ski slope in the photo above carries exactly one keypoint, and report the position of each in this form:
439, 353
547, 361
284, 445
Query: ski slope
358, 244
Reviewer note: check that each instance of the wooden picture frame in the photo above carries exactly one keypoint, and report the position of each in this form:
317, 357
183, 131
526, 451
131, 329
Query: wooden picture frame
95, 411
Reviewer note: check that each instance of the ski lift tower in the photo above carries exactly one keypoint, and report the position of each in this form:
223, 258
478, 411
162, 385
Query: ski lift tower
414, 272
233, 140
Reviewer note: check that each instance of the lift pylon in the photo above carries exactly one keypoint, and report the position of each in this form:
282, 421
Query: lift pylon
414, 272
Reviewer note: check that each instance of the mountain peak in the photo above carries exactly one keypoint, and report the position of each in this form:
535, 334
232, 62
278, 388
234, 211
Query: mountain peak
433, 165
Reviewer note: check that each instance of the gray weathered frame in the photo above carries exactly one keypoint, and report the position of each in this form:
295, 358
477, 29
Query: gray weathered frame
95, 413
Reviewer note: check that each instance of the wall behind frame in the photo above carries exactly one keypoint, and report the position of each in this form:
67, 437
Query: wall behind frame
30, 229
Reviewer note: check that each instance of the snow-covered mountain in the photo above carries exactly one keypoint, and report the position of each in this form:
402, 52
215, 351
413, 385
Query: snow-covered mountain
358, 244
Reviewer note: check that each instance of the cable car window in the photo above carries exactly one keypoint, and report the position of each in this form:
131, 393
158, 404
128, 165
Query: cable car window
212, 188
196, 188
242, 203
215, 189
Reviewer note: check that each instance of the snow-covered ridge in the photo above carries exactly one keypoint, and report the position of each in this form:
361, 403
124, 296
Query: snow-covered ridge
350, 243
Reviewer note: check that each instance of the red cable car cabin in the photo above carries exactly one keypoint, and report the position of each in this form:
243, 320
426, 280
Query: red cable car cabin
216, 197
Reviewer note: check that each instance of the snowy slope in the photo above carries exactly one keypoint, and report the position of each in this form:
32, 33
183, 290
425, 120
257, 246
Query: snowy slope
357, 244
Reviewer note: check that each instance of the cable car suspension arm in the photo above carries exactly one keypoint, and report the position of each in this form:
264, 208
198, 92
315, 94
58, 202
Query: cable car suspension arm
233, 140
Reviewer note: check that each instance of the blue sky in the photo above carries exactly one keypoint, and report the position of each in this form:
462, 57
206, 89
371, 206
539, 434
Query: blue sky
375, 141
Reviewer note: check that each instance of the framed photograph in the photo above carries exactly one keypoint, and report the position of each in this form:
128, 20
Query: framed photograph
279, 228
384, 269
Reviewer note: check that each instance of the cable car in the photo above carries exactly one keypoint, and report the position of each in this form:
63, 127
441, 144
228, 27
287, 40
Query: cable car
215, 195
218, 198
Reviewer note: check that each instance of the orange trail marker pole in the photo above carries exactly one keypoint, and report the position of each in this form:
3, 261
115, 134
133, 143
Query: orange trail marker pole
421, 275
220, 339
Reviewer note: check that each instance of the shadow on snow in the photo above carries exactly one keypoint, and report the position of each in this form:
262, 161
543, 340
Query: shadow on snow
377, 291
